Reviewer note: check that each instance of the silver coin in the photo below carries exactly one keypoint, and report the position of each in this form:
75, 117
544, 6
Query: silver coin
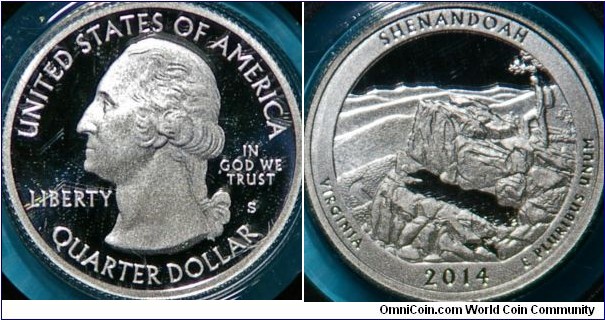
454, 152
153, 151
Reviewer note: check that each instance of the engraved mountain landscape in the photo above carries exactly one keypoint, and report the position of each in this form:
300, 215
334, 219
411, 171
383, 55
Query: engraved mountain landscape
449, 175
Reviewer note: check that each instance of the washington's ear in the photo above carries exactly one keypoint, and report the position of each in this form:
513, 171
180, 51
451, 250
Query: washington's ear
169, 127
148, 128
169, 124
177, 127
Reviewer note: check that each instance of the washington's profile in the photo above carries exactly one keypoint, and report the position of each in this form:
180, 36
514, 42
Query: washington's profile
151, 129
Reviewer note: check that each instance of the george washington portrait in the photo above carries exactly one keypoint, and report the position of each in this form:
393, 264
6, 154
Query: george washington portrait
151, 129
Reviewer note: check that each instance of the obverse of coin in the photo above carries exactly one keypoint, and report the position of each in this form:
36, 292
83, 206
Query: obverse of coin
454, 152
153, 151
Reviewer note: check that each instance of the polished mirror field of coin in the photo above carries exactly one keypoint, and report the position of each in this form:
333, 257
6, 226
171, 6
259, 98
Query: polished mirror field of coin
405, 152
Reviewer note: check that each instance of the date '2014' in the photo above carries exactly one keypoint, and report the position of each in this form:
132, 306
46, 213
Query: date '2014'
452, 277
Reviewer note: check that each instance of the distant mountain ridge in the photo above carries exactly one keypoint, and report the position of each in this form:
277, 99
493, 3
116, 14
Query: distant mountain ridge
376, 124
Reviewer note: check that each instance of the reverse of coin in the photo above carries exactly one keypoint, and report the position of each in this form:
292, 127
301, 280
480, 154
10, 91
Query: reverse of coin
454, 152
152, 151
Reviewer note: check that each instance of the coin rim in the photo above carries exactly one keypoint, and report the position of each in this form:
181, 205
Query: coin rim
331, 67
215, 287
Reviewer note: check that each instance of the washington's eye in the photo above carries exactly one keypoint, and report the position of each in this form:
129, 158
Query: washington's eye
107, 105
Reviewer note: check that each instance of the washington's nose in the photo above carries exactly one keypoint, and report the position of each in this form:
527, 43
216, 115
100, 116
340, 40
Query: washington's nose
88, 122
